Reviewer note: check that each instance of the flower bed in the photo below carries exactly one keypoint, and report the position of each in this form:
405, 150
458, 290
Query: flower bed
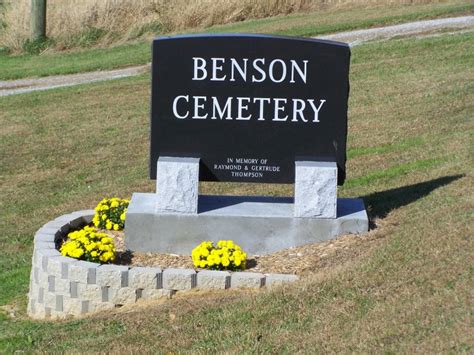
62, 286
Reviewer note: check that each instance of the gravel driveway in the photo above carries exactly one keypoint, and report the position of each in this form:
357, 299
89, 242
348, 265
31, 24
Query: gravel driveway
354, 38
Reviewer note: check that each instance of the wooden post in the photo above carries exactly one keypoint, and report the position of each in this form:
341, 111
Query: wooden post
38, 19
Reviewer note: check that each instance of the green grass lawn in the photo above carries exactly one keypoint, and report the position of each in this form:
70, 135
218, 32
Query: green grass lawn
308, 24
404, 287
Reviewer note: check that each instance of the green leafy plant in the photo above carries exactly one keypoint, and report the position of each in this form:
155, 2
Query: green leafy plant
37, 46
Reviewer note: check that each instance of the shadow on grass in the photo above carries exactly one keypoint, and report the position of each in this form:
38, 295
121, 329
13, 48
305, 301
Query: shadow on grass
381, 203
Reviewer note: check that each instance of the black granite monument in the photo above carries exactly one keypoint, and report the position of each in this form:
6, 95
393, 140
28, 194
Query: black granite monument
246, 108
249, 106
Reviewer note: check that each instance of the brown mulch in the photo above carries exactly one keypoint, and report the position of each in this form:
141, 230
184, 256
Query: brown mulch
297, 260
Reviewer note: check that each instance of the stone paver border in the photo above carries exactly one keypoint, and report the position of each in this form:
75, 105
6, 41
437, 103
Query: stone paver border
61, 286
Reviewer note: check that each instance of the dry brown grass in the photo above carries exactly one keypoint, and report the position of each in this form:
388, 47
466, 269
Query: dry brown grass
68, 19
75, 22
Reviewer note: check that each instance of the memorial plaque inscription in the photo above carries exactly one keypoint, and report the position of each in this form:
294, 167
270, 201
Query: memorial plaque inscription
249, 106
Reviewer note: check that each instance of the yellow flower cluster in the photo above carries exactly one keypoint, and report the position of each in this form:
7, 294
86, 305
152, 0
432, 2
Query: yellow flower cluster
110, 213
226, 256
89, 244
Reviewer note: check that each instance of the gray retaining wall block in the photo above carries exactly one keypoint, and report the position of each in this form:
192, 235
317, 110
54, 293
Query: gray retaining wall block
45, 245
95, 306
315, 189
43, 279
73, 306
73, 289
247, 280
210, 279
86, 306
30, 308
154, 294
179, 279
105, 293
47, 231
89, 292
57, 225
83, 271
59, 303
145, 277
42, 256
66, 218
115, 276
35, 272
50, 299
51, 283
124, 295
278, 279
45, 237
40, 298
34, 293
59, 266
86, 215
61, 227
62, 286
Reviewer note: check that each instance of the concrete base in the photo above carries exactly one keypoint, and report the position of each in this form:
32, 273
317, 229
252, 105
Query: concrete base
259, 225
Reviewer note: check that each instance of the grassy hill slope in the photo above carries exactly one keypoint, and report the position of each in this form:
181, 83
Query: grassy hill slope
404, 287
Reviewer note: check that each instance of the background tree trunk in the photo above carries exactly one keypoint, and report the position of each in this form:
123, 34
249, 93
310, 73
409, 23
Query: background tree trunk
38, 19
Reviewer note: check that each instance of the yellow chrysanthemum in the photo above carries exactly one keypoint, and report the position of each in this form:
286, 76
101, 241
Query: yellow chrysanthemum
89, 244
225, 255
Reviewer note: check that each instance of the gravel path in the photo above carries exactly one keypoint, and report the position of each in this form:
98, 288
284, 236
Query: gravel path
13, 87
354, 38
406, 29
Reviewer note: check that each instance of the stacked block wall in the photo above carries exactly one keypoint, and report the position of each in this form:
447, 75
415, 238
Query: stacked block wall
61, 286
